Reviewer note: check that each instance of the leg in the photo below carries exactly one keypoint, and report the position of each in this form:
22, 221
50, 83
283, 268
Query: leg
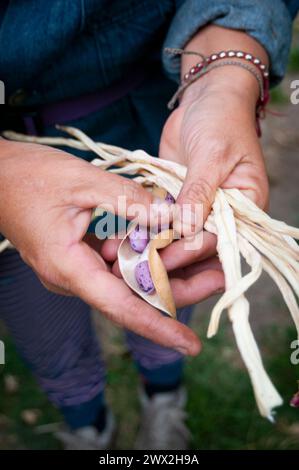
163, 397
160, 368
54, 335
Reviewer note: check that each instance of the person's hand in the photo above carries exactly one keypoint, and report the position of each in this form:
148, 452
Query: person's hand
46, 200
213, 133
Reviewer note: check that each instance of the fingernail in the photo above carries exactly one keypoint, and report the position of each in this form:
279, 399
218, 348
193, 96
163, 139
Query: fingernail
193, 349
182, 350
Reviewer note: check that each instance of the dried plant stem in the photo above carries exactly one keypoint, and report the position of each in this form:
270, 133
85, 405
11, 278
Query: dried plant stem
266, 395
4, 245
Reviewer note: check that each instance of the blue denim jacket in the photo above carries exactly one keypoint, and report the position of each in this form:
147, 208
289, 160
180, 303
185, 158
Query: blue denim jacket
62, 48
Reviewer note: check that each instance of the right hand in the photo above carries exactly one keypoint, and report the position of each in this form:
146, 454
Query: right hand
46, 199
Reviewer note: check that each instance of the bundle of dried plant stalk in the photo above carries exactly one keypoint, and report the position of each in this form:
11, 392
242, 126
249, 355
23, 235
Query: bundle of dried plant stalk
242, 229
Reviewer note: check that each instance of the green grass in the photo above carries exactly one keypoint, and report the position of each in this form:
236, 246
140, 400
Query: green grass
221, 408
28, 396
293, 65
278, 96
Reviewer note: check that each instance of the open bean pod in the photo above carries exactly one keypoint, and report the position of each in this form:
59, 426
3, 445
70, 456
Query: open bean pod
128, 260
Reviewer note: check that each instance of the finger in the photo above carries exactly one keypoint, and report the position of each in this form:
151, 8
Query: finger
185, 263
193, 283
116, 270
176, 255
109, 249
173, 256
110, 295
196, 198
197, 288
212, 263
252, 180
93, 241
118, 195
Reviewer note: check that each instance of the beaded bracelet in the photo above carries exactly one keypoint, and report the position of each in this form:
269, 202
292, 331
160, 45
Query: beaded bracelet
260, 72
227, 55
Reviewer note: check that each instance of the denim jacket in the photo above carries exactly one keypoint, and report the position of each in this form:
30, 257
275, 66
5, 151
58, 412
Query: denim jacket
63, 48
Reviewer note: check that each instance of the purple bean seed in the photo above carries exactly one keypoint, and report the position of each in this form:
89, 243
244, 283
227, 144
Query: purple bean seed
144, 278
139, 238
169, 199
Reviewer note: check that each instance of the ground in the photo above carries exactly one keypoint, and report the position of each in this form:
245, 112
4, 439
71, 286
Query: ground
221, 407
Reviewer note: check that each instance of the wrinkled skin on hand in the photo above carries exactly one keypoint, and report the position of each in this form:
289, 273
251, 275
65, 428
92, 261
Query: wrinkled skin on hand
213, 133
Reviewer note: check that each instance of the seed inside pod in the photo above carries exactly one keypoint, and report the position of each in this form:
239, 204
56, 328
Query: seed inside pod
169, 199
139, 238
144, 278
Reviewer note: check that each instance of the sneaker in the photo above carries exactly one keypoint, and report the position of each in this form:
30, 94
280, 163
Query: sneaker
163, 422
88, 437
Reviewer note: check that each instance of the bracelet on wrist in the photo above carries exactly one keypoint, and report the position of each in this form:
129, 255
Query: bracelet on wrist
245, 60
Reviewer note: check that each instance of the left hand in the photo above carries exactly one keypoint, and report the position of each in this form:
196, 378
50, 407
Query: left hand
213, 133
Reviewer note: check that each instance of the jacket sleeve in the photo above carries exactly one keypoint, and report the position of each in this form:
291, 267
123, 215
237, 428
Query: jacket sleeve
292, 6
268, 21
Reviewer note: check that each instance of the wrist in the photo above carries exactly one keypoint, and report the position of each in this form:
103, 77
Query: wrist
231, 81
212, 39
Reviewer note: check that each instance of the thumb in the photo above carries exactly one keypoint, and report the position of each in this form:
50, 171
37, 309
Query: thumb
195, 199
